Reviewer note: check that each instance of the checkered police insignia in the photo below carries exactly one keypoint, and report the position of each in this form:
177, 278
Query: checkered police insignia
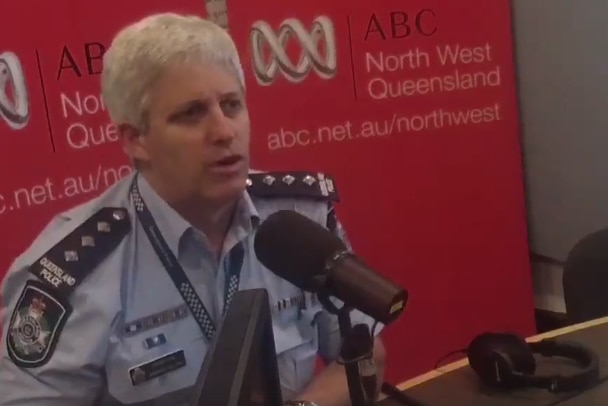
233, 285
198, 310
233, 266
311, 185
35, 325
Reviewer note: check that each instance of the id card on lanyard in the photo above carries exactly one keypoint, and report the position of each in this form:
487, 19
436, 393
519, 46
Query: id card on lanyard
176, 272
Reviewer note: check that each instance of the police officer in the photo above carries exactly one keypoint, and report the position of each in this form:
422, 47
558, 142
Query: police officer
116, 301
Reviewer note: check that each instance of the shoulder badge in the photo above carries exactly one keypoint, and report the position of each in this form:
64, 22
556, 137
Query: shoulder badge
293, 184
37, 321
71, 260
43, 306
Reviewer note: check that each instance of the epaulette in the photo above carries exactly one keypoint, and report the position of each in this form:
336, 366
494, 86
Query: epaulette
70, 261
312, 185
43, 307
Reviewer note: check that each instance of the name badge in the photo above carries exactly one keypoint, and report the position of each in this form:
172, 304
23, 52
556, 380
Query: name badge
157, 367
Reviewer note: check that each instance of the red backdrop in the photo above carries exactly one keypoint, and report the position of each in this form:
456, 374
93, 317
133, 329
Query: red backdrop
416, 119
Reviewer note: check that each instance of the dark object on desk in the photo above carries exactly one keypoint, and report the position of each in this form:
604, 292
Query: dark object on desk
585, 278
460, 386
240, 368
506, 361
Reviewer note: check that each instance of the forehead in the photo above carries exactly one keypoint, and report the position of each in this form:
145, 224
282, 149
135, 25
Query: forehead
187, 81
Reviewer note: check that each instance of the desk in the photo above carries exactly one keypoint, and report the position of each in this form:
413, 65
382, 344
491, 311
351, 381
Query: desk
456, 385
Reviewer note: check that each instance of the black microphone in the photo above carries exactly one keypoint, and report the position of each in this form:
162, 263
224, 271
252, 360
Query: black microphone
309, 256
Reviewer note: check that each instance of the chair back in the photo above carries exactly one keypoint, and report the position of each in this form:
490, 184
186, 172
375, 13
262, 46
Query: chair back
585, 278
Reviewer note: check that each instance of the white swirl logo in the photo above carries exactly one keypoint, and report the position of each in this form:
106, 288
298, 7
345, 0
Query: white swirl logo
310, 57
14, 105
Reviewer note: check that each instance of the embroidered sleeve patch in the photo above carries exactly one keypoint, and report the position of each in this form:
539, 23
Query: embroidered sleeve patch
35, 326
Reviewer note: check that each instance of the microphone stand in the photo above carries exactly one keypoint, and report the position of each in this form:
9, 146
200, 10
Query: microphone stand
350, 355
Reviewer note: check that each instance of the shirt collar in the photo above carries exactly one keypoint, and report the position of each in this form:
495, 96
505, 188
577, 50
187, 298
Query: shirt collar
249, 216
170, 223
173, 226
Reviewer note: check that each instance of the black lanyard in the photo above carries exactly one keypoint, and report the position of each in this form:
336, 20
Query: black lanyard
176, 272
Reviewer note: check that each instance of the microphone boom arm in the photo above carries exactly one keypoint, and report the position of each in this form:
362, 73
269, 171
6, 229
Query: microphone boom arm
350, 359
358, 394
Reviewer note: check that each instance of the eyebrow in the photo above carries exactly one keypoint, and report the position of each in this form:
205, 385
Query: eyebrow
231, 94
205, 100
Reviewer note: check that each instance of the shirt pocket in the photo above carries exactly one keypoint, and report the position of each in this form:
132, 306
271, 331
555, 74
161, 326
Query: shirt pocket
297, 344
177, 364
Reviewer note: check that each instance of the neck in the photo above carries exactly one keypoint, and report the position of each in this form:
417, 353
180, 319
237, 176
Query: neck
212, 218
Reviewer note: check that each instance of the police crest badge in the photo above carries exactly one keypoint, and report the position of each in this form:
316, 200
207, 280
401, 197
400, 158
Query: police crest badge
36, 323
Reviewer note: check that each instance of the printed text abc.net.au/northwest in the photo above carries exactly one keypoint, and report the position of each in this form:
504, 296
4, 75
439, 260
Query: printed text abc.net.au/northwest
49, 189
394, 125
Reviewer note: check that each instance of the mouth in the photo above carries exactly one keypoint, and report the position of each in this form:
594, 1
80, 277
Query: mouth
229, 163
229, 160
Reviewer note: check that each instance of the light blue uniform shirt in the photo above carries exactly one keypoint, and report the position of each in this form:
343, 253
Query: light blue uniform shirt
127, 311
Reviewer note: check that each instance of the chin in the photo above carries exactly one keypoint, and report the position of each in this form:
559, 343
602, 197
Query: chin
226, 191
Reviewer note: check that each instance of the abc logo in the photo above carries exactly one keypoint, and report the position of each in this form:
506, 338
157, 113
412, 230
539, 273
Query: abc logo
14, 104
267, 67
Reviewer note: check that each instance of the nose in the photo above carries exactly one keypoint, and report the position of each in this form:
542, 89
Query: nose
220, 129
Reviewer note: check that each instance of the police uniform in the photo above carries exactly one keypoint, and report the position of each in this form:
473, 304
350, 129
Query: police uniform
116, 301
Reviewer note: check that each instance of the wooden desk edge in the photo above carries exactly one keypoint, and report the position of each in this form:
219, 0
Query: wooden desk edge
463, 362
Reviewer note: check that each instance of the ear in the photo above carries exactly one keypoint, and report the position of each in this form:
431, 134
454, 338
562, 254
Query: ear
133, 143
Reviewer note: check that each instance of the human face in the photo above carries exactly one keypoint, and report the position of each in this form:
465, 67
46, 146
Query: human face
196, 145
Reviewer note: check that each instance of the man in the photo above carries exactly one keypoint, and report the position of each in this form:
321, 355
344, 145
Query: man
141, 274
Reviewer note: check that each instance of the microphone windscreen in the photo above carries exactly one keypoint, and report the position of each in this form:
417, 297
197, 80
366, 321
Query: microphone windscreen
295, 248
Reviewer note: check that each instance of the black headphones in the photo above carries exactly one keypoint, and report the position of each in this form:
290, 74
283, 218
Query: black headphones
506, 361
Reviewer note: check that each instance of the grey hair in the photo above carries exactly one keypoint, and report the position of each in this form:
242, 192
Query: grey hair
141, 52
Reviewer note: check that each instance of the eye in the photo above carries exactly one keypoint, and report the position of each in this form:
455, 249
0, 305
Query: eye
232, 106
194, 110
